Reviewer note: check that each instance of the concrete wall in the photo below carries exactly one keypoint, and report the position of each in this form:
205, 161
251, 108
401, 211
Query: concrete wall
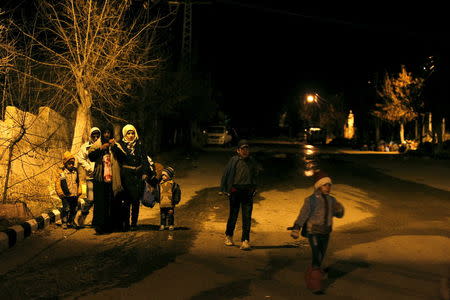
37, 156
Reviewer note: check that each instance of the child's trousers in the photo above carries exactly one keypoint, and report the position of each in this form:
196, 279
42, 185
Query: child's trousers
167, 215
69, 209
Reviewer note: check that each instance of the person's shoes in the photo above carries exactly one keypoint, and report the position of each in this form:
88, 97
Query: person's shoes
245, 245
161, 228
171, 227
229, 241
64, 226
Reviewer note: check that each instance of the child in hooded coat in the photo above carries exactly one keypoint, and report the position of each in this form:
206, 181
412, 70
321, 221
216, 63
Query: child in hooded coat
168, 195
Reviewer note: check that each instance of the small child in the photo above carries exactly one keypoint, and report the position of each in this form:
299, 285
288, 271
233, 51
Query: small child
68, 189
168, 194
317, 215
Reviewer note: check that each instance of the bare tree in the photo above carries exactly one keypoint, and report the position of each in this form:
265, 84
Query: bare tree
401, 94
94, 53
32, 139
29, 148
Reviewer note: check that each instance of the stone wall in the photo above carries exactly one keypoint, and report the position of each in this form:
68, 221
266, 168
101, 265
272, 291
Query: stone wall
37, 156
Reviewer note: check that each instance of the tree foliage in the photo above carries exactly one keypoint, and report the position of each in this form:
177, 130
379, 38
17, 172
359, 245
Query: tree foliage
401, 94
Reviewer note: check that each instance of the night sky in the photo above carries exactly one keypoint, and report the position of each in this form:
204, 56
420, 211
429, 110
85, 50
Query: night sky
264, 54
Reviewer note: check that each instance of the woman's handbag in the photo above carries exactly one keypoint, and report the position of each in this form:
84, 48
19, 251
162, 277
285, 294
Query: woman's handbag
148, 198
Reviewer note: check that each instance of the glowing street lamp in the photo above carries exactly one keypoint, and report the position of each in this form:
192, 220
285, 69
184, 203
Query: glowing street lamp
310, 98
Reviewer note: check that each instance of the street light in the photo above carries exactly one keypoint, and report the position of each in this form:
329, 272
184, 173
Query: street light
311, 98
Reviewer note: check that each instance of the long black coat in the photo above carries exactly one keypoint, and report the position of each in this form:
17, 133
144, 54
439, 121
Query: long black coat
133, 167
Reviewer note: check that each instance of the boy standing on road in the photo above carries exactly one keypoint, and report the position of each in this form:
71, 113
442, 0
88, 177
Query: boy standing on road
239, 182
168, 194
317, 215
68, 189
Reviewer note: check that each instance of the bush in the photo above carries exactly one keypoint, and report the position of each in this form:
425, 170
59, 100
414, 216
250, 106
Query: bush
446, 145
340, 142
425, 148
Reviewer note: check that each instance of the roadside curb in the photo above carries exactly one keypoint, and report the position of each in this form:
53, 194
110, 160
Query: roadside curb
14, 234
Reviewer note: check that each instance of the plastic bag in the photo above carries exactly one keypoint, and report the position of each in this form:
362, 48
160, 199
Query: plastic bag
148, 198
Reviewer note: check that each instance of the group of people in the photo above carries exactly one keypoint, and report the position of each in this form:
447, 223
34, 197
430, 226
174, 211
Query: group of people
314, 221
117, 172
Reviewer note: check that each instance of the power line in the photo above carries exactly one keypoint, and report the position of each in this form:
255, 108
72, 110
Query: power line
384, 27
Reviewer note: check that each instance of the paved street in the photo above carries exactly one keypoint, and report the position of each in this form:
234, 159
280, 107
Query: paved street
392, 243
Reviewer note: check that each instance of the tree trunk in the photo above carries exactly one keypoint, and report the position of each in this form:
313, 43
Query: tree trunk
117, 131
9, 163
422, 128
402, 133
82, 127
377, 131
439, 135
8, 172
443, 129
416, 129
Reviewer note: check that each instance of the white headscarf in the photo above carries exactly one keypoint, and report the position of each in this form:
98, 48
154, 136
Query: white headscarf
130, 144
93, 129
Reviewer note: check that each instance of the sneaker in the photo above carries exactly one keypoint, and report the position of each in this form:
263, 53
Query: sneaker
245, 245
161, 227
229, 241
171, 227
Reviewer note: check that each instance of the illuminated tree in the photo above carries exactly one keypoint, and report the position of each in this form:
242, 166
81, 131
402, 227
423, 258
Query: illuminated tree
93, 53
402, 98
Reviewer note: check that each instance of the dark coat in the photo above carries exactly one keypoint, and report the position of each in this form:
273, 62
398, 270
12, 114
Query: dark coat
230, 171
133, 167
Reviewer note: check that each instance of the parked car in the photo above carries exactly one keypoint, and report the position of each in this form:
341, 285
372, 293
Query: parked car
315, 135
218, 135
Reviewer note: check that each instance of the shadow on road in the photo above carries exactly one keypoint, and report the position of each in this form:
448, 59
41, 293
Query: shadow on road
274, 247
343, 267
152, 227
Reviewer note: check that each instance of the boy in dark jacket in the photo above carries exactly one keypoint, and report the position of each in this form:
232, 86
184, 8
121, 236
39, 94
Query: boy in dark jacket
68, 189
168, 194
239, 182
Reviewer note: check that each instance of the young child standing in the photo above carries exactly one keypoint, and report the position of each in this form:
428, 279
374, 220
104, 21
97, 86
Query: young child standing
317, 215
168, 194
68, 189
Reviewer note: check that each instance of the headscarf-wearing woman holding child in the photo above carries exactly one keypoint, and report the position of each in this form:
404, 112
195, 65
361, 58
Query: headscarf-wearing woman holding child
107, 183
135, 169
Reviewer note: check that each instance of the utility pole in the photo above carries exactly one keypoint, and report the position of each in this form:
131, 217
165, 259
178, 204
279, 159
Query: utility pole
186, 40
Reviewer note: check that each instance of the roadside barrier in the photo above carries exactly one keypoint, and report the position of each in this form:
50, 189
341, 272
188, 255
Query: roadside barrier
14, 234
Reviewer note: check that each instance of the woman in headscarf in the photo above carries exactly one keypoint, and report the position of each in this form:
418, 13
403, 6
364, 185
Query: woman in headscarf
107, 183
135, 169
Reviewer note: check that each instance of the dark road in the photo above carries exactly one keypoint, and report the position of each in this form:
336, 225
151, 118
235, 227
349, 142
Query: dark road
391, 243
